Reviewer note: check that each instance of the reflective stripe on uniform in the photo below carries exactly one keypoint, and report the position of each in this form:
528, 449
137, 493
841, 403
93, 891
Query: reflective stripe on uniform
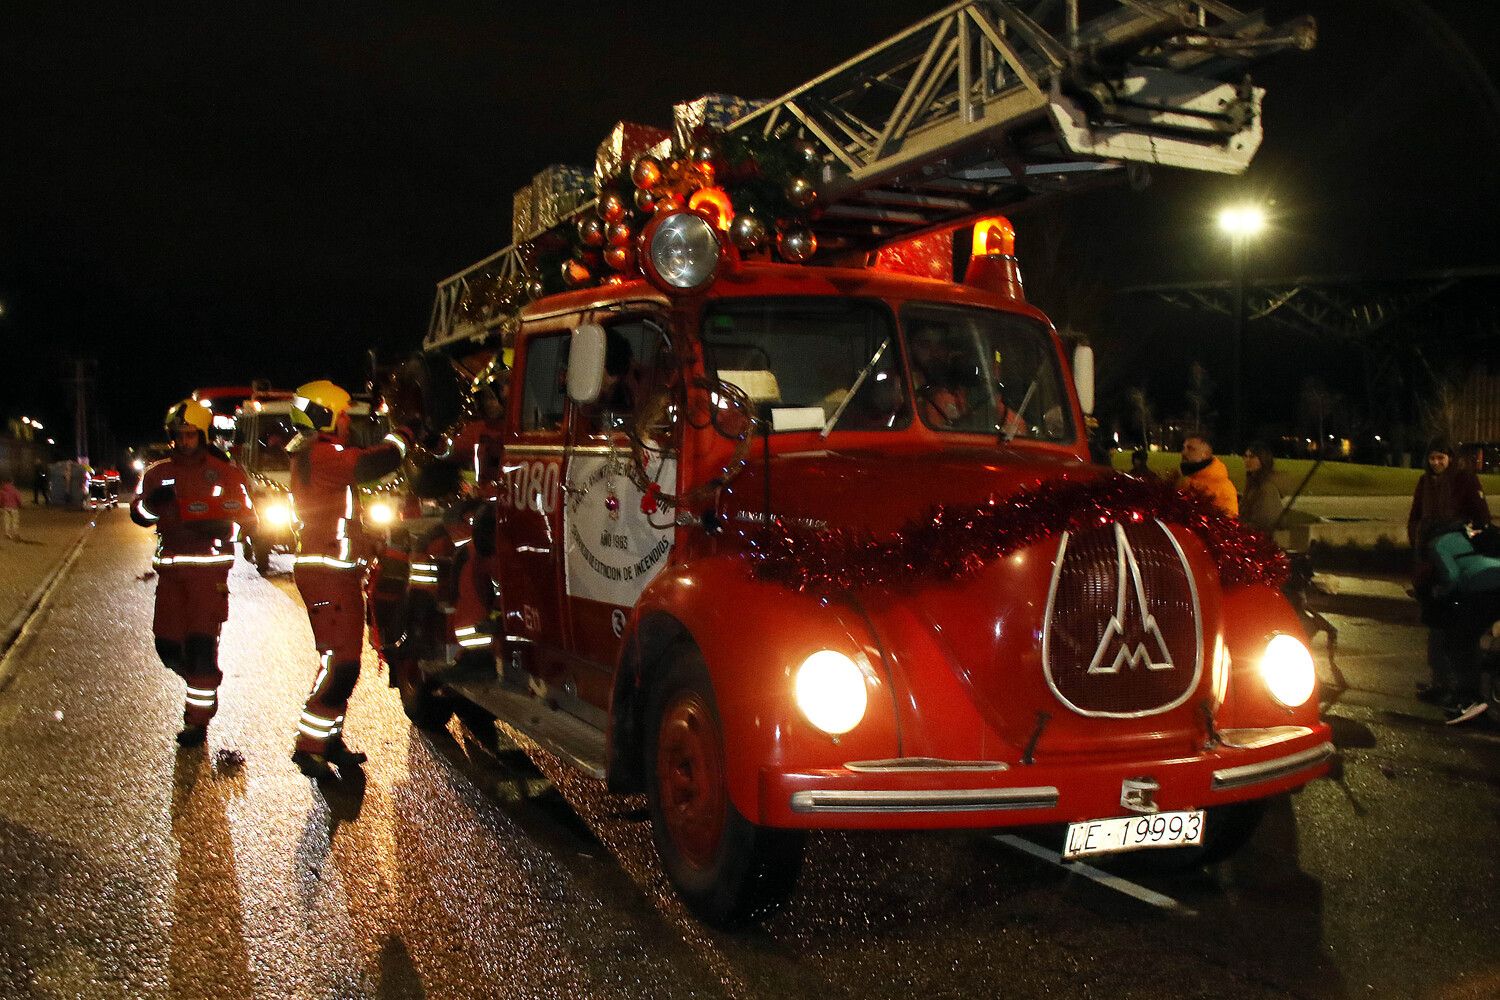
202, 697
316, 726
219, 560
328, 561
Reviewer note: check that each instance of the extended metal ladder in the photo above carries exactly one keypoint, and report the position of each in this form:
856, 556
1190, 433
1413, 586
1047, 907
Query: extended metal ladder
986, 105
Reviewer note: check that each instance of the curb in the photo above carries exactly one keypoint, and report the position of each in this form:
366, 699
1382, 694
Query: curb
14, 627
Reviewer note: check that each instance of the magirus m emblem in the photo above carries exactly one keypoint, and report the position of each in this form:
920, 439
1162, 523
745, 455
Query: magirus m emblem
1122, 635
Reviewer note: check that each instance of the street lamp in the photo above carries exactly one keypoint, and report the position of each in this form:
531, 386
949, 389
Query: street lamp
1241, 222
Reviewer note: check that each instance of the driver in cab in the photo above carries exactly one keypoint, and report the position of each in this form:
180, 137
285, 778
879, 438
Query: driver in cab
949, 384
941, 400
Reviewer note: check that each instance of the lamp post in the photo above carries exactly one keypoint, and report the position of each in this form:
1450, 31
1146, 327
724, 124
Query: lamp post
1241, 222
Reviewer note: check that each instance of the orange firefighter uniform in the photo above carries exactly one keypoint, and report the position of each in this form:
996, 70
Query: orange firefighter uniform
331, 561
197, 501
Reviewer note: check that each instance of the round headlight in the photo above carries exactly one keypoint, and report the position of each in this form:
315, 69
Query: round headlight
381, 512
277, 514
682, 251
831, 691
1287, 668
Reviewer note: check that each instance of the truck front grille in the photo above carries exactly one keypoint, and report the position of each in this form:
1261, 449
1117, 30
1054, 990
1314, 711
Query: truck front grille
1123, 635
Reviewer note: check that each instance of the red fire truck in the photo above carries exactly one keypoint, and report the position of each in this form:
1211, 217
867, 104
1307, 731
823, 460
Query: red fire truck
791, 547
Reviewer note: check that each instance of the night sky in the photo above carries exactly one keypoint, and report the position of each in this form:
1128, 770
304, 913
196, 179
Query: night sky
213, 193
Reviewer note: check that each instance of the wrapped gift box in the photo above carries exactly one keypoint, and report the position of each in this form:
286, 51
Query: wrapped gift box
692, 120
625, 142
558, 190
522, 214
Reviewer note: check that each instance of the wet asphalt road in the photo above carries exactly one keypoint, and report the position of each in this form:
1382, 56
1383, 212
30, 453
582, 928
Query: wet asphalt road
464, 867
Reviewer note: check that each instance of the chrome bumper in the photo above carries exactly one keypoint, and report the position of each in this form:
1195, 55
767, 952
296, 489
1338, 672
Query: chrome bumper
1270, 770
936, 800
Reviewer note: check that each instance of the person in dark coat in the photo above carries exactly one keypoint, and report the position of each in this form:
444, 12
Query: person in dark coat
1446, 497
39, 485
1260, 507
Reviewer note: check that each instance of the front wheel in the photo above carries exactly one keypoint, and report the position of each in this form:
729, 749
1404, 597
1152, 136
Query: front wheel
421, 700
725, 868
257, 552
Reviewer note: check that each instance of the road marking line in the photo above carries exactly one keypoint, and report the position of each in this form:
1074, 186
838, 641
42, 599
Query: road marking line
1104, 878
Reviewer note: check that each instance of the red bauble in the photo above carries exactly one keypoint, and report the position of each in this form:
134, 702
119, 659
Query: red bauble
575, 274
646, 173
619, 258
618, 234
591, 231
611, 206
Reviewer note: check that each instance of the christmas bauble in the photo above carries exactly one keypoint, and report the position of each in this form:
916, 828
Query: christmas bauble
575, 274
618, 234
645, 201
806, 153
801, 192
611, 206
796, 243
646, 173
748, 233
619, 257
591, 231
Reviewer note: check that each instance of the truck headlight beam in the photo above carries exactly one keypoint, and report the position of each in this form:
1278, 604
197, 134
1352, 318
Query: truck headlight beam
831, 691
1287, 669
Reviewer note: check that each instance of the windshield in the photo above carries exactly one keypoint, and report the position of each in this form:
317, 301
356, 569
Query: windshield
988, 372
260, 440
804, 360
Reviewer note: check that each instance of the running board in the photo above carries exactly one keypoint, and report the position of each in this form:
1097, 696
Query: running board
577, 743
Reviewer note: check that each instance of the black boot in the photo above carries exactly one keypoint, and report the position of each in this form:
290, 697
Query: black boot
341, 756
314, 765
192, 736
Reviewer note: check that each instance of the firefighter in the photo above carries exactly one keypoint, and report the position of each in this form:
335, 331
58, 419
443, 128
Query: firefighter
330, 564
197, 501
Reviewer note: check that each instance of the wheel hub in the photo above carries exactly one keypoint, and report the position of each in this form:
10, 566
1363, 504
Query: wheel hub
690, 779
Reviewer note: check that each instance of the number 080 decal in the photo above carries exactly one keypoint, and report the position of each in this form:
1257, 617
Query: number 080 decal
532, 486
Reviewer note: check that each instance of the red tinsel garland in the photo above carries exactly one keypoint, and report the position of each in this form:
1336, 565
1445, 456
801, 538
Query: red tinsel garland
954, 542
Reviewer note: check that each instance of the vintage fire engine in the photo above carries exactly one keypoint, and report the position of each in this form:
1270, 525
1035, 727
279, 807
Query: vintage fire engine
791, 547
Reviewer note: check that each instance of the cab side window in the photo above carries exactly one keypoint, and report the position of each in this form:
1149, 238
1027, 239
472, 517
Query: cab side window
544, 394
635, 353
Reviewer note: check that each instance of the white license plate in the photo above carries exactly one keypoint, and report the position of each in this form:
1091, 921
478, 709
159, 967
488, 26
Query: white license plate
1132, 833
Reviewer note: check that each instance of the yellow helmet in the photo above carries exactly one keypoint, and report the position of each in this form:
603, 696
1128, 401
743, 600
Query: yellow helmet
318, 405
192, 413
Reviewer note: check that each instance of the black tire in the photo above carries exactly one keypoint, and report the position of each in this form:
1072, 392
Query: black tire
421, 700
1489, 691
256, 553
725, 868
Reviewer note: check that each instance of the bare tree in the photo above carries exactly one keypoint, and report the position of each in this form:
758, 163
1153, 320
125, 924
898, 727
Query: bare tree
1141, 406
1316, 403
1442, 411
1199, 393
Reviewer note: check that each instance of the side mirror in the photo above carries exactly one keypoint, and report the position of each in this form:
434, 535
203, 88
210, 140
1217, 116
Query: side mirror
586, 363
1083, 377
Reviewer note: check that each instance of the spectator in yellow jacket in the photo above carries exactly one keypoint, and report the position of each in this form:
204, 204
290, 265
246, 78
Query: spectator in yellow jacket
1201, 472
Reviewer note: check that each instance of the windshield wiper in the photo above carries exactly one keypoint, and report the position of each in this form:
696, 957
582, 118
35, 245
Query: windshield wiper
1020, 412
859, 380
